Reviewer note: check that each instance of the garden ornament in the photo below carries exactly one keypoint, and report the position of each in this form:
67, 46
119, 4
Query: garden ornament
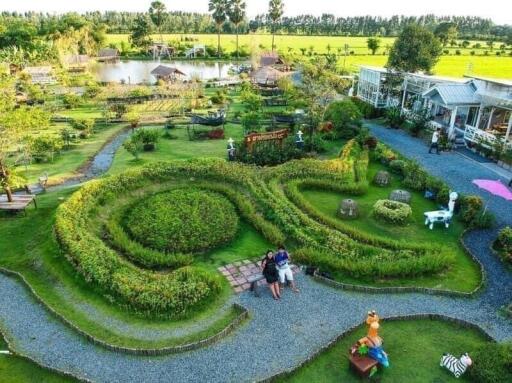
454, 365
299, 140
231, 149
443, 216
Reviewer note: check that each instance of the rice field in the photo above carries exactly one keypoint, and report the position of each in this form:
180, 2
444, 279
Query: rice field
489, 65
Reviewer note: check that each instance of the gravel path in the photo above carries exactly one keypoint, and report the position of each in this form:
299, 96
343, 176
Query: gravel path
293, 328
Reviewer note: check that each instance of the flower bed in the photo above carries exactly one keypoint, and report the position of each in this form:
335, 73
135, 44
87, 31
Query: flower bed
392, 211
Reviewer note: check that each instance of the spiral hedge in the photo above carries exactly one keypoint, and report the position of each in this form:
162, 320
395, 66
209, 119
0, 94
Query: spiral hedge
91, 228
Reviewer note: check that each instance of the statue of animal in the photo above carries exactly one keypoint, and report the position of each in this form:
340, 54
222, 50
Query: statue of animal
454, 365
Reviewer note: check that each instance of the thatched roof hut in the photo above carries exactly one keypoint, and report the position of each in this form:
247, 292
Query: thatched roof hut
108, 55
266, 75
167, 73
270, 58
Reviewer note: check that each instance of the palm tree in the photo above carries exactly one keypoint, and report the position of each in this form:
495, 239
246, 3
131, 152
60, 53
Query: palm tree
236, 13
157, 12
275, 12
219, 13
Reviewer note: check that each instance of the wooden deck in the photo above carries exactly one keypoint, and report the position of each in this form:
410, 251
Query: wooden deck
20, 202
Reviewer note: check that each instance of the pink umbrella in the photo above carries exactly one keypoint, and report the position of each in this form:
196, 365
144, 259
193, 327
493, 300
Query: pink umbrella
494, 187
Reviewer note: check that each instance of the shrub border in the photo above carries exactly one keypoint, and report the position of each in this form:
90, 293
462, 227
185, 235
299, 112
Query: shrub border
413, 289
397, 318
236, 323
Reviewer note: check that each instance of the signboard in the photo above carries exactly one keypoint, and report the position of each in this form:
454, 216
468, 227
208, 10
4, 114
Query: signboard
278, 135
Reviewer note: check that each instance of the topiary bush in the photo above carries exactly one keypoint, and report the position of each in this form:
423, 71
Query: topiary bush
492, 363
182, 221
504, 243
345, 117
392, 211
415, 177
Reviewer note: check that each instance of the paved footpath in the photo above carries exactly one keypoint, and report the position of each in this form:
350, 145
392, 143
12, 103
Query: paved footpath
293, 328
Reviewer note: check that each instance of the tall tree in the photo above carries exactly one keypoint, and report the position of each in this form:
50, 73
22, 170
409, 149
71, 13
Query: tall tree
373, 44
141, 32
158, 14
415, 49
446, 32
16, 126
218, 8
236, 14
275, 12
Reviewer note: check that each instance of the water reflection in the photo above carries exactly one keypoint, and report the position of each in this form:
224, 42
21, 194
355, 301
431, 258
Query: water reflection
138, 72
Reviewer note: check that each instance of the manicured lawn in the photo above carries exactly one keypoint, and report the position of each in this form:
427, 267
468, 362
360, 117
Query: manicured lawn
69, 161
414, 348
14, 369
463, 276
27, 245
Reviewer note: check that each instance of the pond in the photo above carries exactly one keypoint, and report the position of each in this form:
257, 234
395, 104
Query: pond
138, 72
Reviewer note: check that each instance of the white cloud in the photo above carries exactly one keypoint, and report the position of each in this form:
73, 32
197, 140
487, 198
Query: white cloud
496, 10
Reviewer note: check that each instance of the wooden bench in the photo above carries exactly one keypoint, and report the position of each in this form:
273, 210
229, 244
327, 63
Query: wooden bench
19, 203
253, 280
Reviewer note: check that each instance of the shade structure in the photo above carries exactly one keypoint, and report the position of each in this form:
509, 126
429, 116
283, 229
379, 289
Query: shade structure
495, 187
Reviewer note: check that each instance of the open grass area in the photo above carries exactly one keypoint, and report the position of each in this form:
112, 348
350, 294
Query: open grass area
27, 245
14, 369
66, 164
451, 65
463, 276
414, 347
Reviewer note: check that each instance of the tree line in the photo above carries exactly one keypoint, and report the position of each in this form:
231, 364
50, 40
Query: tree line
469, 27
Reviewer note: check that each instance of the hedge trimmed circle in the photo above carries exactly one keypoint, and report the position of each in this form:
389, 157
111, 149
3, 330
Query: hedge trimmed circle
392, 211
97, 245
182, 221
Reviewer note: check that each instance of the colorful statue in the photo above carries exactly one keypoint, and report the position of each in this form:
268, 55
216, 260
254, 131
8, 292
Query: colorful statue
373, 341
454, 365
443, 216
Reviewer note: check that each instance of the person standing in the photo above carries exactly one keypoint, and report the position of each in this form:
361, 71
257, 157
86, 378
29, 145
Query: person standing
271, 274
282, 259
435, 141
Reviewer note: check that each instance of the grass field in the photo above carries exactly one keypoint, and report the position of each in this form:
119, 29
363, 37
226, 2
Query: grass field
463, 276
414, 348
451, 65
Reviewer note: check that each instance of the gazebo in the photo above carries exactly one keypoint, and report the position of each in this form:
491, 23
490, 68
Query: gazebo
266, 76
270, 59
167, 73
108, 55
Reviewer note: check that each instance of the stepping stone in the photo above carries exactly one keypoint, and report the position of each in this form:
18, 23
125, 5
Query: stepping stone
230, 278
243, 268
225, 272
246, 286
221, 269
247, 262
239, 263
238, 290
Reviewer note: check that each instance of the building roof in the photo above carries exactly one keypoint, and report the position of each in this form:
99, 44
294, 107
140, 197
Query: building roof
108, 52
39, 70
270, 58
163, 70
455, 94
267, 73
497, 81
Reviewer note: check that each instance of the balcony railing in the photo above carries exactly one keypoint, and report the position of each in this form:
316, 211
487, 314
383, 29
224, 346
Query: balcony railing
482, 137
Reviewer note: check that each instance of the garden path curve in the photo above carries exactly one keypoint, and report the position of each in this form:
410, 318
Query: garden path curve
294, 328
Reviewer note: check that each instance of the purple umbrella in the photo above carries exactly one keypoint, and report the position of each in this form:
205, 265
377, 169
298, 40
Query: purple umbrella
494, 187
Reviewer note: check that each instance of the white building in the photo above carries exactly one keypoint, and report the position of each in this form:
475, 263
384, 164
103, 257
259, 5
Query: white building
477, 109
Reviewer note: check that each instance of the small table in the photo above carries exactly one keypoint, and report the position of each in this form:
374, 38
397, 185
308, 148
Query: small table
362, 365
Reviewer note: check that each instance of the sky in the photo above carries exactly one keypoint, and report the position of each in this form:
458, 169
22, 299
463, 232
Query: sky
497, 10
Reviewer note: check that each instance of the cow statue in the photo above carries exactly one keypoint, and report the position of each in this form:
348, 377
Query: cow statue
443, 216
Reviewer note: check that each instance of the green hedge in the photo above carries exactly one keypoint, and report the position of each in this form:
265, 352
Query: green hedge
392, 211
182, 221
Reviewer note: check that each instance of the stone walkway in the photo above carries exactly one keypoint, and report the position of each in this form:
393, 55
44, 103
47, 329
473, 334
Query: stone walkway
240, 274
293, 328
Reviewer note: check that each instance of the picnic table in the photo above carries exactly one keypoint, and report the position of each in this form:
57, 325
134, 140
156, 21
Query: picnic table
19, 203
